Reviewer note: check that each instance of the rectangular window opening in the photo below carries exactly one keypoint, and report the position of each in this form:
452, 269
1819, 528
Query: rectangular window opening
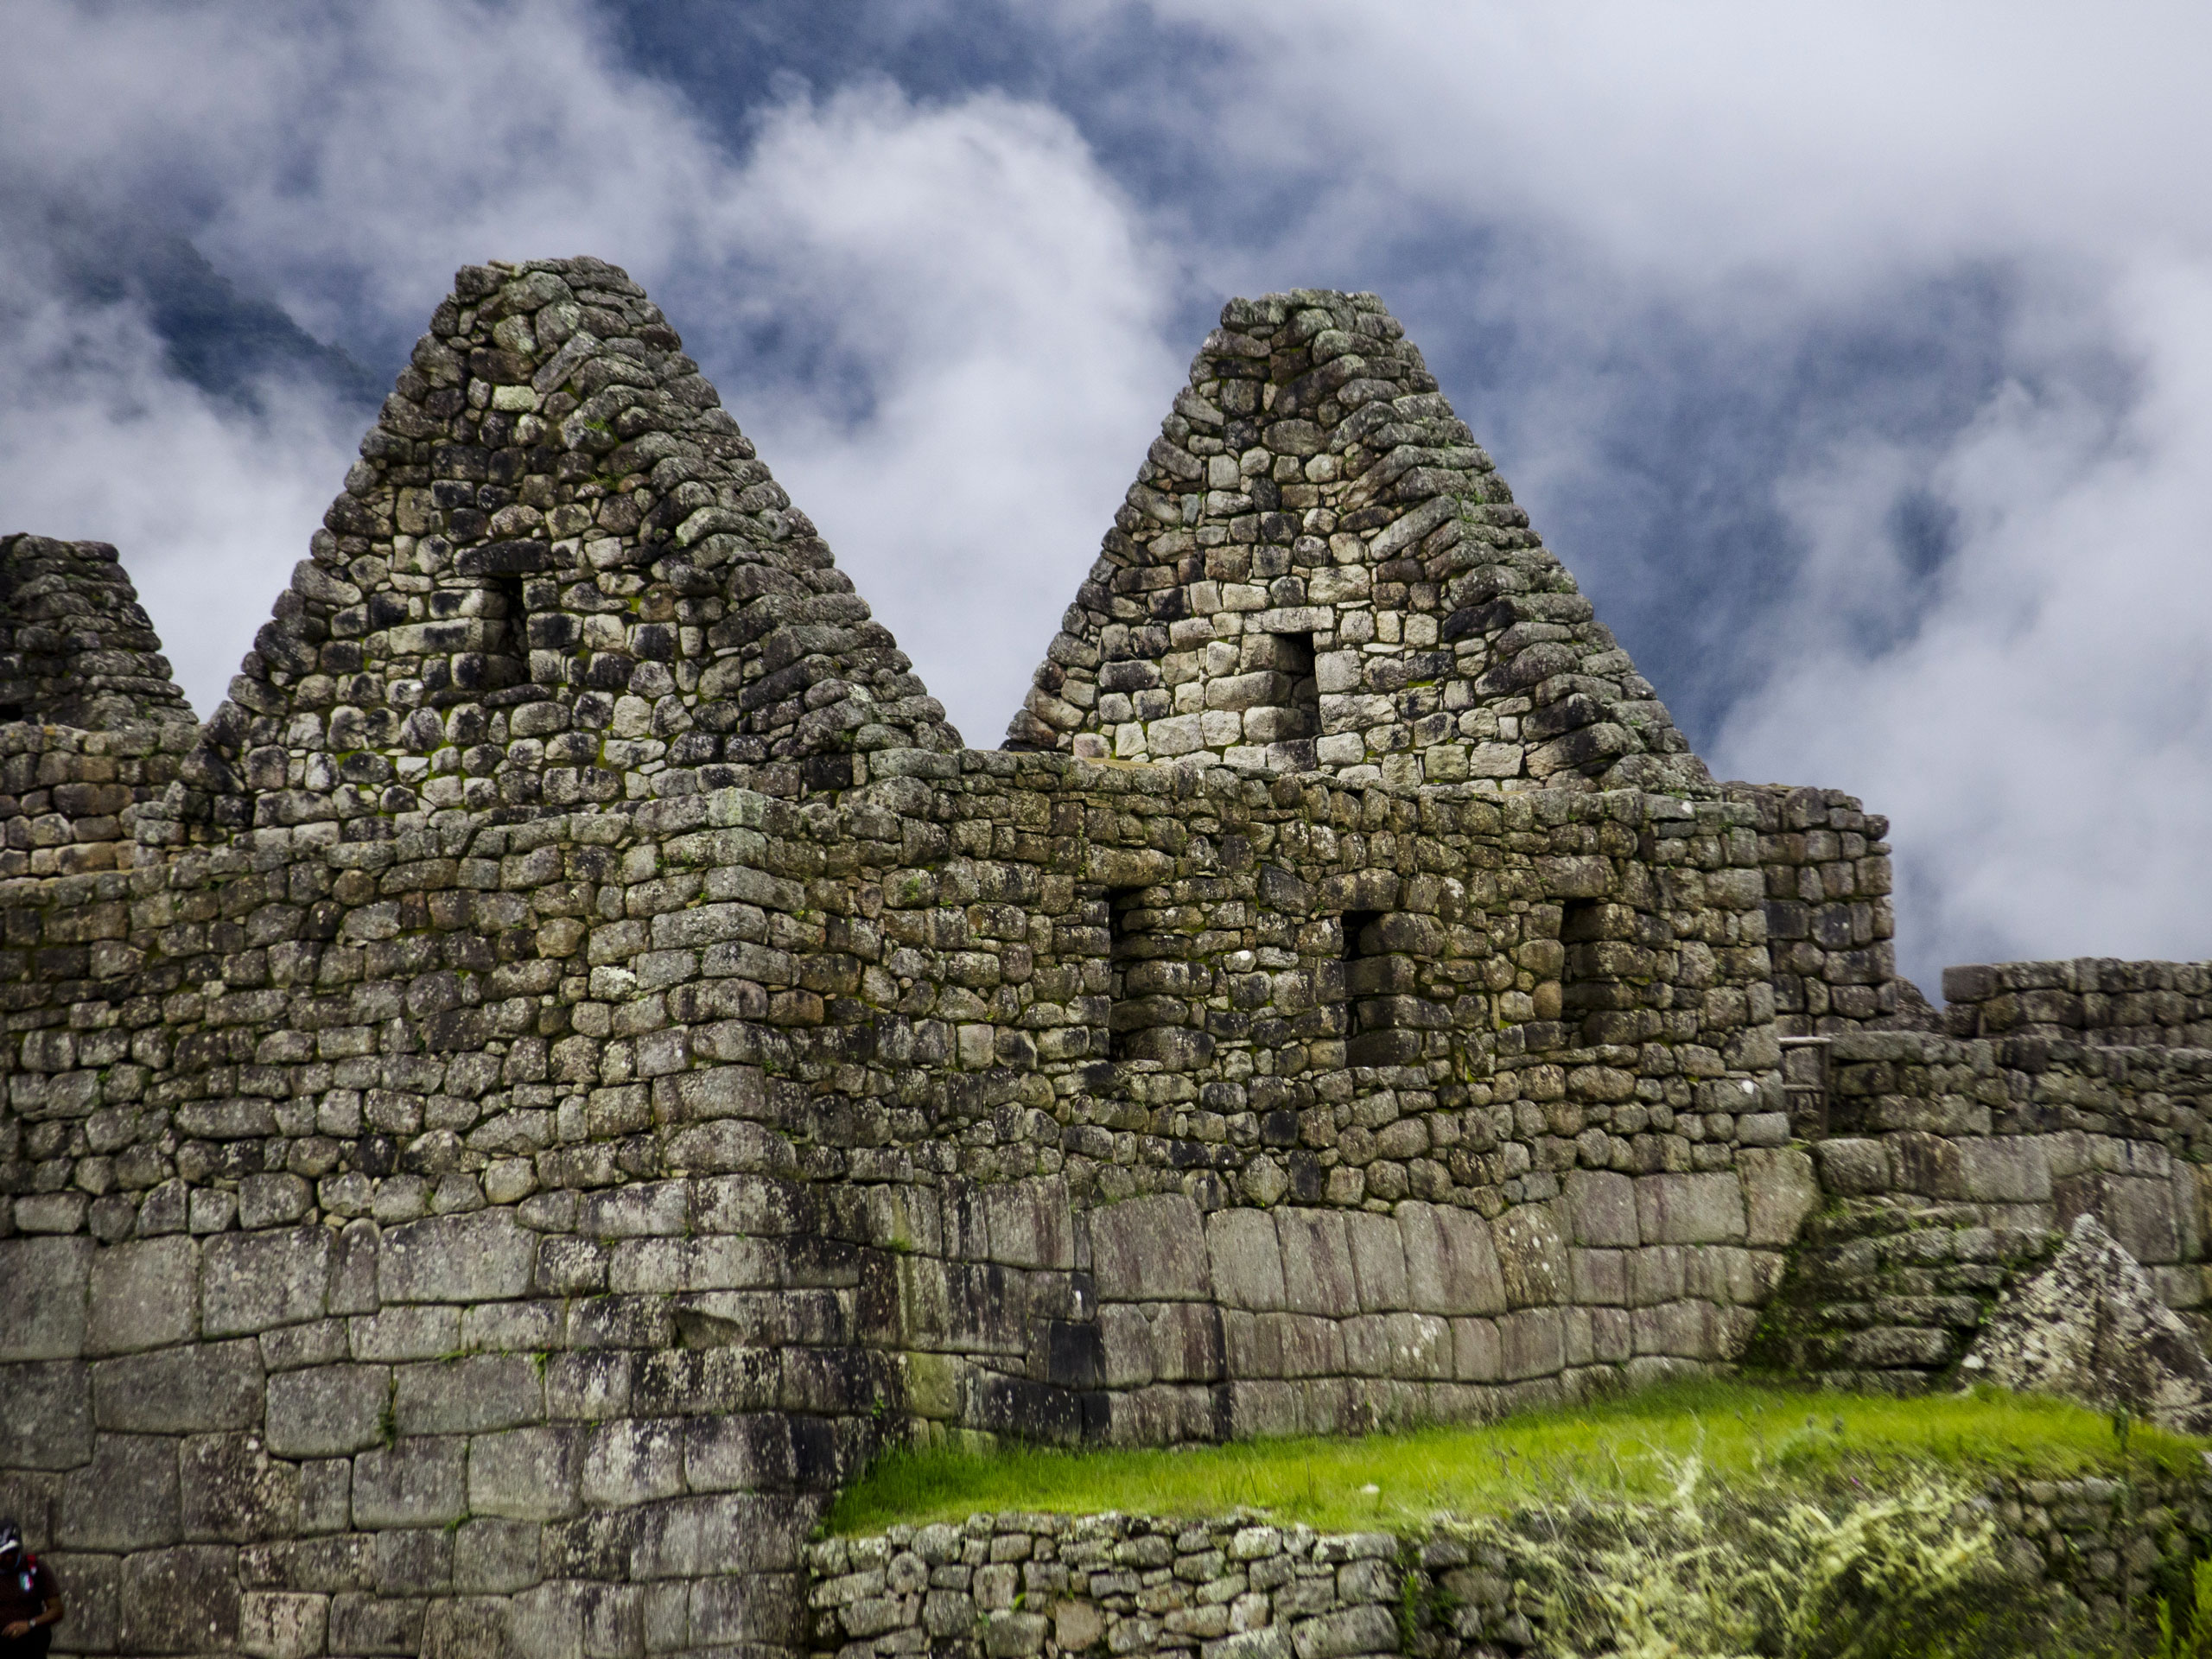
510, 636
1369, 970
1587, 988
1300, 693
1360, 930
1127, 925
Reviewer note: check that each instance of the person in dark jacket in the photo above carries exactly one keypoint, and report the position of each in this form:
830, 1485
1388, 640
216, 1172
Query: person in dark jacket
30, 1601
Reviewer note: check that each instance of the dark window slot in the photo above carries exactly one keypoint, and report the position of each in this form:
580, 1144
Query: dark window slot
1379, 984
1285, 706
1590, 987
510, 636
1370, 970
1302, 696
1126, 944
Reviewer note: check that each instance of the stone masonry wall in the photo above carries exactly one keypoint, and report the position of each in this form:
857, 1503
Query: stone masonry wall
76, 649
1243, 1586
502, 1121
69, 798
1954, 1164
558, 576
1830, 924
530, 1224
2090, 1000
1317, 568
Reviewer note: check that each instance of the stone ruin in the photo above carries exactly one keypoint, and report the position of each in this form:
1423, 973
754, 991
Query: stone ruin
574, 1055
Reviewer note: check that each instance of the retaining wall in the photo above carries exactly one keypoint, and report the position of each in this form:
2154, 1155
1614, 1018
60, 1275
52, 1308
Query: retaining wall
1014, 1586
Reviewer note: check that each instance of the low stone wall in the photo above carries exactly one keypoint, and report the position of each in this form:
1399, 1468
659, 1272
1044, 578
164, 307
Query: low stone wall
2090, 1000
1014, 1586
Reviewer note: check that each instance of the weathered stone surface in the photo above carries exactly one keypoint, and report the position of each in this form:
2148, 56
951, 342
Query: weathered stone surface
573, 1054
250, 1281
49, 1421
2091, 1327
1246, 1259
49, 1277
421, 1482
1780, 1190
207, 1386
126, 1498
273, 1625
1150, 1249
1316, 1263
479, 1258
329, 1411
1451, 1265
179, 1601
143, 1294
525, 1474
1601, 1209
1690, 1209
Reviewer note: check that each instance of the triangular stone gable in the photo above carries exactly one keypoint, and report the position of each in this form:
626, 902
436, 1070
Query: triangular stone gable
76, 648
559, 576
1317, 569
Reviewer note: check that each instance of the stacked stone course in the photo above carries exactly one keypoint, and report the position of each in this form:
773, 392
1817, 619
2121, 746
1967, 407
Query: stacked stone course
76, 648
558, 576
1018, 1586
2090, 1000
505, 1118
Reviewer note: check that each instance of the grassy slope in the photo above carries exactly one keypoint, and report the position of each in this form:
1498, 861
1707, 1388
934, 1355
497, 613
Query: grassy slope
1619, 1448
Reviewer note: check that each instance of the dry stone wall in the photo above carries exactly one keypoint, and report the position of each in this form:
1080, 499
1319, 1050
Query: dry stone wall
558, 576
506, 1117
2090, 1000
1953, 1166
1020, 1585
76, 648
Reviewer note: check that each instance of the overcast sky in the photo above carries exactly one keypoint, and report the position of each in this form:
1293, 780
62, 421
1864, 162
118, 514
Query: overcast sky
1858, 359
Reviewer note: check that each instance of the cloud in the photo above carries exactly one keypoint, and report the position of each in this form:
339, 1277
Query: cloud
1008, 311
1858, 354
2043, 728
939, 322
209, 504
1854, 357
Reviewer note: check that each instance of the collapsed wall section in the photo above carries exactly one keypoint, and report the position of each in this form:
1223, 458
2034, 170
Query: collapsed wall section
1949, 1166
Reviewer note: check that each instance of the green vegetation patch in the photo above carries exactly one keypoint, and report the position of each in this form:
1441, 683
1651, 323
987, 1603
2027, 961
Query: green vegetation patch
1628, 1449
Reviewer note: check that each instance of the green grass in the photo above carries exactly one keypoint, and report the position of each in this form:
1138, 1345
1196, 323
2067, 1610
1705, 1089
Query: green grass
1618, 1448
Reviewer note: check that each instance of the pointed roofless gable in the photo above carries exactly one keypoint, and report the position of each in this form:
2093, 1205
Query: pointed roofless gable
559, 576
1317, 569
76, 648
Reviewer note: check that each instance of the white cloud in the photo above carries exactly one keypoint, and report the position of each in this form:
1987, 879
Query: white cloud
209, 506
996, 284
2033, 715
968, 263
2043, 735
